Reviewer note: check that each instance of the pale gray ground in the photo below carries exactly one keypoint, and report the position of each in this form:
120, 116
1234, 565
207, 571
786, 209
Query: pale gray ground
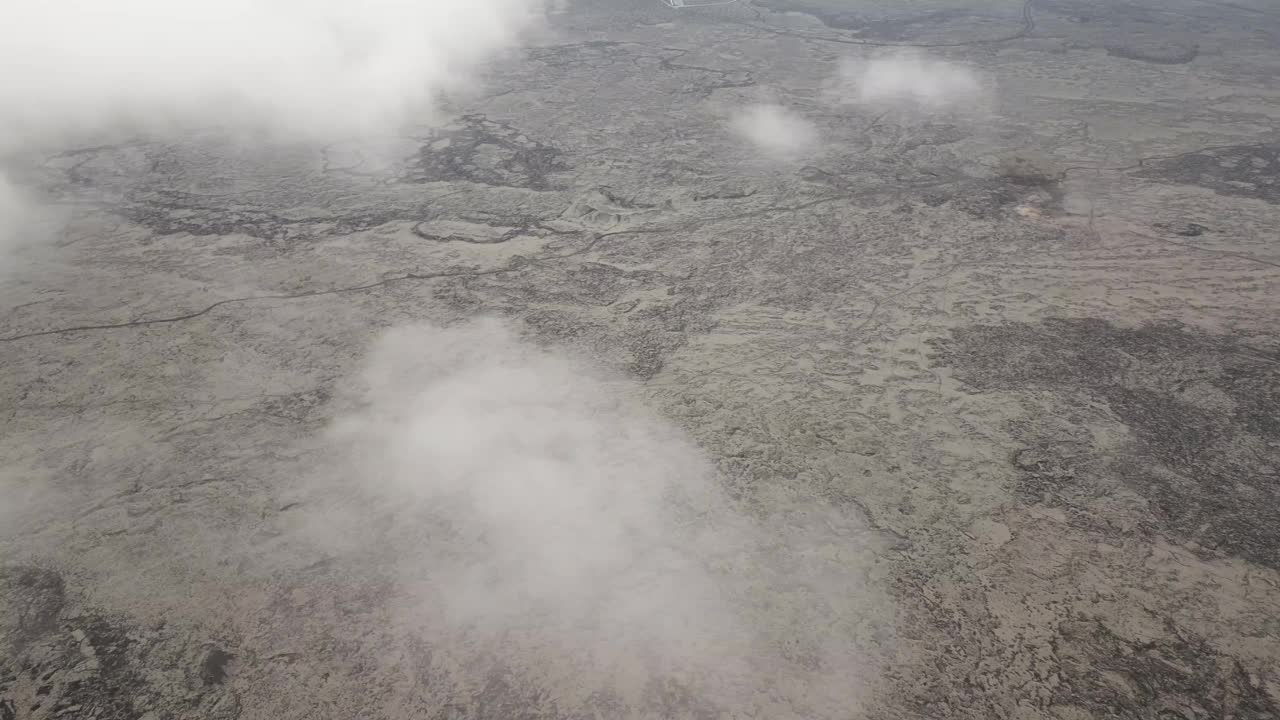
1031, 362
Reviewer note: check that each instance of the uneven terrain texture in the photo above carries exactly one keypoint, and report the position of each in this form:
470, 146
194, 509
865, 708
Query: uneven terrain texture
1024, 366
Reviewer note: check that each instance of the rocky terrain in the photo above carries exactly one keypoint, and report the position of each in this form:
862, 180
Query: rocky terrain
1014, 378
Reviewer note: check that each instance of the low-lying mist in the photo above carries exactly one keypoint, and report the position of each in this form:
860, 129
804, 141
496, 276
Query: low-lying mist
545, 524
13, 209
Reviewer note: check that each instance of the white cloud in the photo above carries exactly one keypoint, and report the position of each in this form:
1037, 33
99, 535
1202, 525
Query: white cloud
69, 68
76, 72
776, 131
910, 80
539, 517
571, 490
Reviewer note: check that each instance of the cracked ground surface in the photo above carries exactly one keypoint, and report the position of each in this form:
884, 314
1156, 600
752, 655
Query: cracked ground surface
1036, 357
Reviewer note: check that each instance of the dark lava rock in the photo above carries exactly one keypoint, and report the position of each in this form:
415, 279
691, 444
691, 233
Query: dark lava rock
1185, 229
1206, 470
1159, 53
213, 669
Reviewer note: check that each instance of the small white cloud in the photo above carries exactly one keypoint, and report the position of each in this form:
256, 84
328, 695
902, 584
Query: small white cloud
776, 131
912, 81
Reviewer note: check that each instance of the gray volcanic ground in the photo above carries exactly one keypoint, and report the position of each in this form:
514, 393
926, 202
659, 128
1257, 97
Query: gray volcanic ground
778, 359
